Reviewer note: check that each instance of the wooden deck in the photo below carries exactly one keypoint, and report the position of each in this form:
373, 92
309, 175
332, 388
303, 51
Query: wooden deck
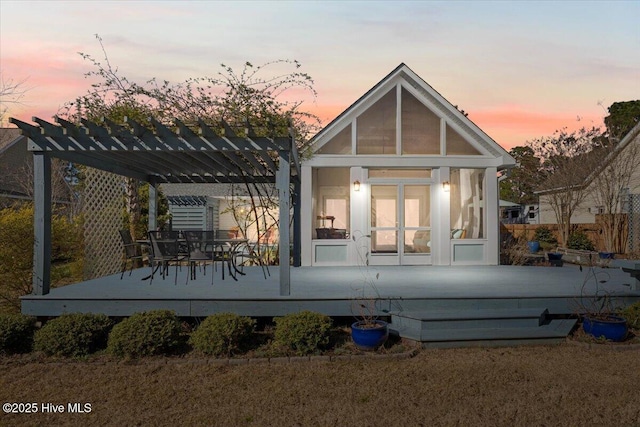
331, 290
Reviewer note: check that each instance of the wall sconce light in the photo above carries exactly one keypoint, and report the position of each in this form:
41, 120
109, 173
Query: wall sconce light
446, 186
356, 185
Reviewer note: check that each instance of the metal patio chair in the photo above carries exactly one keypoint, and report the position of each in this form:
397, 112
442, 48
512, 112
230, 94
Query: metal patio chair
132, 252
166, 248
200, 246
246, 253
224, 251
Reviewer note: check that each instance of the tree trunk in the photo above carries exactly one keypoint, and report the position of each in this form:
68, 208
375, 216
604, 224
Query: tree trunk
133, 206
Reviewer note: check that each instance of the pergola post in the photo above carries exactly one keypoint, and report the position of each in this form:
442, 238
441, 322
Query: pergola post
153, 206
41, 223
284, 193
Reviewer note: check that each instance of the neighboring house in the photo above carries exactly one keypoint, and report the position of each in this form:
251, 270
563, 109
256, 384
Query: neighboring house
588, 209
14, 158
513, 213
16, 169
402, 177
218, 206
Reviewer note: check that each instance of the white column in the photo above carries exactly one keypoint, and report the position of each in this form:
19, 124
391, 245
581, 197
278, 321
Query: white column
441, 224
359, 204
492, 216
306, 212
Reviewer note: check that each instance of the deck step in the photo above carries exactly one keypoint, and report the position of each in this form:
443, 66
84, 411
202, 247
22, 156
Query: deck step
451, 328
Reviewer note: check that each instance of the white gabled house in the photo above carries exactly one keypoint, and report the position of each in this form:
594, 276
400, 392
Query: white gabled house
627, 150
402, 177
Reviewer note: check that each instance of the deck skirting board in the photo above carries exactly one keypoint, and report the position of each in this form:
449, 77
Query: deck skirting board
279, 307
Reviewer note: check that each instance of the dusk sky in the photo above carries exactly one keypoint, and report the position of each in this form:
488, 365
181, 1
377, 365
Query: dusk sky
519, 69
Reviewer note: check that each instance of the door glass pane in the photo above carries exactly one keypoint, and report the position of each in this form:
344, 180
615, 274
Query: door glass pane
384, 241
384, 219
417, 241
384, 211
417, 219
417, 210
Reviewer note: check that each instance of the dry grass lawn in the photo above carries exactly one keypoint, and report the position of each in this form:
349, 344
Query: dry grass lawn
524, 386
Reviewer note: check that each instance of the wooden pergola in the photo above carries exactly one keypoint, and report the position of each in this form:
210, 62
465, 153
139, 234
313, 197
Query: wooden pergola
182, 154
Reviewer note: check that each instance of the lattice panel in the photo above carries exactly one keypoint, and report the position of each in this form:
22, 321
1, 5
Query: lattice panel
102, 209
634, 223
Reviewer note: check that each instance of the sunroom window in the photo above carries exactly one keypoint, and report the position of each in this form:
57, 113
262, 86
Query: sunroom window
420, 127
339, 144
331, 202
376, 127
457, 145
467, 204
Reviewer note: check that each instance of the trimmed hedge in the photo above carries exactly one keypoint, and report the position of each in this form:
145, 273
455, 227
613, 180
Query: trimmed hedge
150, 333
304, 332
73, 335
16, 333
223, 334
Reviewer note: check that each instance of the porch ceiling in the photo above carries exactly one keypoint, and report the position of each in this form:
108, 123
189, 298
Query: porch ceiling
183, 154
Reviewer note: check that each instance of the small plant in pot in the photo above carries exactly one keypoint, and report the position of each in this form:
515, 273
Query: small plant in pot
600, 318
368, 332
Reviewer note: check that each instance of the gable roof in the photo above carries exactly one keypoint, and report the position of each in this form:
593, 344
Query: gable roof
633, 134
434, 100
8, 137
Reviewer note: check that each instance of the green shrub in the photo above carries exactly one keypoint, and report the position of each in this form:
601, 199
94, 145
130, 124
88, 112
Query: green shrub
544, 235
16, 333
150, 333
73, 335
16, 252
304, 332
223, 334
632, 315
580, 241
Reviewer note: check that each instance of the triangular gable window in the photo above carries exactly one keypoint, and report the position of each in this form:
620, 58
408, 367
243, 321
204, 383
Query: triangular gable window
339, 144
420, 127
376, 127
457, 145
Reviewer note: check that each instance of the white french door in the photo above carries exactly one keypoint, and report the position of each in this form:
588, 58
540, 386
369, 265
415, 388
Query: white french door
400, 220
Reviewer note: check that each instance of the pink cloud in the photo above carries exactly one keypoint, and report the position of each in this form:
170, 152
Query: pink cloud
512, 125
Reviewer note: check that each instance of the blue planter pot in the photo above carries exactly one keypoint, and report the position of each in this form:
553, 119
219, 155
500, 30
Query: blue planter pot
606, 255
369, 338
533, 246
554, 256
555, 259
611, 327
